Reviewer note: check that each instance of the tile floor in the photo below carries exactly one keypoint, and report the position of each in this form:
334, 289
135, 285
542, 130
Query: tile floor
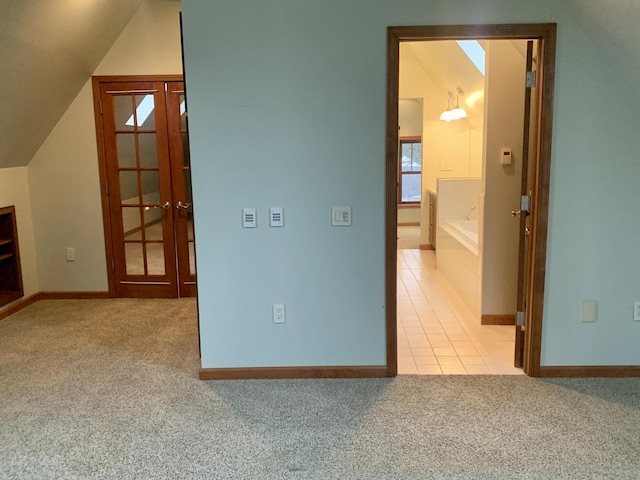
437, 334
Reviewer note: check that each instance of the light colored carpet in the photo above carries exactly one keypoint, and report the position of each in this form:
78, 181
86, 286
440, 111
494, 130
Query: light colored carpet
408, 238
108, 389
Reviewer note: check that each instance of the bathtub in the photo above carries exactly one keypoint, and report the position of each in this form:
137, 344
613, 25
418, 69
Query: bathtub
465, 232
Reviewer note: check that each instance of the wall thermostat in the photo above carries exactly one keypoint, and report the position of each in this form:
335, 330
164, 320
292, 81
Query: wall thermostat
505, 158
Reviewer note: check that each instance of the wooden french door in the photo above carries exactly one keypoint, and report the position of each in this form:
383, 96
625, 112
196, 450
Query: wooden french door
144, 156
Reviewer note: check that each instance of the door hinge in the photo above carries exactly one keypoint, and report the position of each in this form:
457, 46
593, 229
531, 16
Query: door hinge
100, 104
525, 203
520, 319
113, 265
531, 79
106, 188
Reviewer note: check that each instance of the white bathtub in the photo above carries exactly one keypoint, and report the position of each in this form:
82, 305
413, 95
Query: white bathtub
465, 232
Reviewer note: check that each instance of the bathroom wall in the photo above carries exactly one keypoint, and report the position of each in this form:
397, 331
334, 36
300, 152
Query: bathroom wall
450, 149
504, 114
459, 264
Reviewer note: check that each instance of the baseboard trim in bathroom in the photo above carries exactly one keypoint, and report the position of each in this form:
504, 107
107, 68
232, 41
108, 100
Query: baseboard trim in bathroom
498, 320
427, 246
590, 371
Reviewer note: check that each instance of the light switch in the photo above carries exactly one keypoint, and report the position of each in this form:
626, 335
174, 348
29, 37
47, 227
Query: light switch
276, 217
341, 216
249, 218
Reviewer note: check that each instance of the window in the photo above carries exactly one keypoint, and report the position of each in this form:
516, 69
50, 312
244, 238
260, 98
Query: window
409, 179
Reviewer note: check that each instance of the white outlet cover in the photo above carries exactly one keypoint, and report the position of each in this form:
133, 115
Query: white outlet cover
636, 311
279, 315
589, 311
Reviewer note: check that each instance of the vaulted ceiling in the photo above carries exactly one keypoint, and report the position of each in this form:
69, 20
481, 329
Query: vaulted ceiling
48, 51
50, 48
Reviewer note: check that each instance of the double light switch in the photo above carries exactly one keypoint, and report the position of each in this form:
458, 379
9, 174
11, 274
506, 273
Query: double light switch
250, 218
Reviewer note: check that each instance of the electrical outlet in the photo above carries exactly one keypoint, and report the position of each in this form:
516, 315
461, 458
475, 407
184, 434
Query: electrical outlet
71, 254
636, 311
278, 313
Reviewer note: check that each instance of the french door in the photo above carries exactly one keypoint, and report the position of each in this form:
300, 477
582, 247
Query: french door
144, 159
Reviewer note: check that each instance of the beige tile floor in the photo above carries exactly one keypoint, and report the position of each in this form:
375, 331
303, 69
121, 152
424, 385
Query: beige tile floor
437, 334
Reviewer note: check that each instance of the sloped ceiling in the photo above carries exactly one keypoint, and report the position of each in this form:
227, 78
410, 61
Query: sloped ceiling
48, 50
449, 67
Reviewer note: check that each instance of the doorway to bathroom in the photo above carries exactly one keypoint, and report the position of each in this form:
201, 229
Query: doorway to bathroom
466, 182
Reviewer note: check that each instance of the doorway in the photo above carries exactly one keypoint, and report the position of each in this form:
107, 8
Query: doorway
540, 162
143, 150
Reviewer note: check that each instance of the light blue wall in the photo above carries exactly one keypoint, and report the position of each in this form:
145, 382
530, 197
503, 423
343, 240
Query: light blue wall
287, 108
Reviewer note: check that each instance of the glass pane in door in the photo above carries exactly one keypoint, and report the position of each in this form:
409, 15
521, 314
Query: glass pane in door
150, 180
192, 257
153, 224
134, 258
145, 118
129, 187
148, 150
131, 223
183, 113
126, 144
155, 258
123, 110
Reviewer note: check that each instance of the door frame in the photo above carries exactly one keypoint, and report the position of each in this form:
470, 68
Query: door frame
102, 161
545, 33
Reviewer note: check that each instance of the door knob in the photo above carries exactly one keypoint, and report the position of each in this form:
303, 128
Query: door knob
164, 206
181, 205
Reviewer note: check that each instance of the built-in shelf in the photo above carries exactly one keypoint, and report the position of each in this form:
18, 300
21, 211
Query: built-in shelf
10, 273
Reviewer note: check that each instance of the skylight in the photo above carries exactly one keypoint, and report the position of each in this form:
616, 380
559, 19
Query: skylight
143, 111
146, 107
474, 51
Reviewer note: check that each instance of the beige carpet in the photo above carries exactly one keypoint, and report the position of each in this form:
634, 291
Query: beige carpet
408, 238
108, 389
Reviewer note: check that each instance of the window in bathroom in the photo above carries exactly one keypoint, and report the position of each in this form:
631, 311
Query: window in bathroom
410, 170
